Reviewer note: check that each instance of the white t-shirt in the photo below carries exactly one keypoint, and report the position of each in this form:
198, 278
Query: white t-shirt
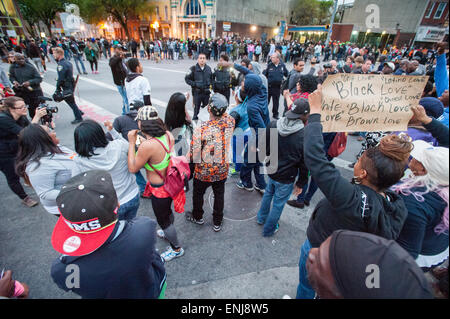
137, 89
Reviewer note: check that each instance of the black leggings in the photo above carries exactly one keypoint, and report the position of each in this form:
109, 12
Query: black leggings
7, 167
162, 207
95, 62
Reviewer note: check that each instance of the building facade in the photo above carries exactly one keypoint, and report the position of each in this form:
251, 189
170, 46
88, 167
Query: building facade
191, 19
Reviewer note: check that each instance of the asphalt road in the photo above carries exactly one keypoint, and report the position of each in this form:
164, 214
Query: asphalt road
234, 263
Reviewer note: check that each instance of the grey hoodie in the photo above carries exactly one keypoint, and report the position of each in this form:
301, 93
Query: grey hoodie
114, 159
287, 127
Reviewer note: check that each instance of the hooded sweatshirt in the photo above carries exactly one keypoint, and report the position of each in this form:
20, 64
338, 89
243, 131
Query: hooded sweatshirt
257, 108
138, 88
290, 158
346, 205
114, 159
256, 70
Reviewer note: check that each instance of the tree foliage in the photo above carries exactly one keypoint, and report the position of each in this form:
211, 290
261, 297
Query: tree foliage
94, 11
311, 12
41, 10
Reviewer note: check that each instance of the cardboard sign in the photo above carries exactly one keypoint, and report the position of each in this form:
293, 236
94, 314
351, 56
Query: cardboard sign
369, 102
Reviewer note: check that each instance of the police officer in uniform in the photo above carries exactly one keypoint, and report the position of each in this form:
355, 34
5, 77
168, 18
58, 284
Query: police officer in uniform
199, 79
222, 78
276, 72
65, 84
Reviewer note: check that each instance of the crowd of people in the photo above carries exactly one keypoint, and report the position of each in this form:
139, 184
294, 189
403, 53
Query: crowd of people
393, 214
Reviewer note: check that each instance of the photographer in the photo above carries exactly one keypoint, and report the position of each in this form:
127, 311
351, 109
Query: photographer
328, 69
13, 118
65, 85
26, 82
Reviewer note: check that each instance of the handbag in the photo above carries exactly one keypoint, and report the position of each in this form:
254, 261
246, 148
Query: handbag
178, 172
338, 145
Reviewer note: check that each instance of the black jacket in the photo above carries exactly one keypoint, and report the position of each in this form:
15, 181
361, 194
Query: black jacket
346, 206
127, 267
291, 161
9, 134
65, 81
25, 73
118, 70
200, 80
275, 74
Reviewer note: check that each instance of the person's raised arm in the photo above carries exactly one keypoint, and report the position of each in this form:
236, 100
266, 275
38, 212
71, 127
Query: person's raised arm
137, 160
438, 130
338, 191
440, 74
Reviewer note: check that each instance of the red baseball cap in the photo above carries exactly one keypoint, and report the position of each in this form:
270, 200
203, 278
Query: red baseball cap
88, 205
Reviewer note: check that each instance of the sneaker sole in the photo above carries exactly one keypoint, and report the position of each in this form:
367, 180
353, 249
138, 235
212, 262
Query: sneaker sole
247, 189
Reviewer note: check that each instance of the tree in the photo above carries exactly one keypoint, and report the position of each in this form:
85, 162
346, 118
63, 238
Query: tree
45, 11
310, 12
95, 11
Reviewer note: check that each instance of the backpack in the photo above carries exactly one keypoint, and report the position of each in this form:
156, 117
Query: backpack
338, 145
178, 173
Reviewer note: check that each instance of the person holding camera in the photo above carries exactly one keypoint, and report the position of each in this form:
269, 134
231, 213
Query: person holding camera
13, 119
65, 85
26, 82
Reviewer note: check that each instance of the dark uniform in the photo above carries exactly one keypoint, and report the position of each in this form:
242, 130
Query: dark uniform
66, 83
200, 81
222, 79
275, 76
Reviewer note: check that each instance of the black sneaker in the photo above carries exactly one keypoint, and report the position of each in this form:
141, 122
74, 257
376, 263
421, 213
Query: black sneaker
191, 218
306, 203
295, 204
352, 165
217, 228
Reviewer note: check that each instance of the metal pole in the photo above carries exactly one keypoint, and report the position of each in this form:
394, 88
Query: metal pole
330, 31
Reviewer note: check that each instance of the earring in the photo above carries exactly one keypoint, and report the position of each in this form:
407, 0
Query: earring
356, 180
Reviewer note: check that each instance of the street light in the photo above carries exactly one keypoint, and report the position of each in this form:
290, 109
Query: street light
253, 28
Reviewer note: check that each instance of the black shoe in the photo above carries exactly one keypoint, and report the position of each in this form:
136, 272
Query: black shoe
276, 117
195, 118
352, 165
85, 73
295, 204
306, 202
76, 121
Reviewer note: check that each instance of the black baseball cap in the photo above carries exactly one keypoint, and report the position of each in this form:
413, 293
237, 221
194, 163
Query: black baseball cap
218, 104
299, 108
88, 205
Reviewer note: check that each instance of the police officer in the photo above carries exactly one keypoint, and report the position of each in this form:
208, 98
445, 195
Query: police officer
276, 72
65, 84
222, 78
199, 79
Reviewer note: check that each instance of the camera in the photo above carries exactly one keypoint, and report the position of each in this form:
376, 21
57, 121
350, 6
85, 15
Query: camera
327, 66
47, 119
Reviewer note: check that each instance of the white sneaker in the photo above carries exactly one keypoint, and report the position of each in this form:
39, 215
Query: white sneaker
170, 254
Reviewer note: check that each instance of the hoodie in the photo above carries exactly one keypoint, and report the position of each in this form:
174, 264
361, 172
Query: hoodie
346, 205
114, 159
256, 70
418, 236
290, 158
138, 88
257, 103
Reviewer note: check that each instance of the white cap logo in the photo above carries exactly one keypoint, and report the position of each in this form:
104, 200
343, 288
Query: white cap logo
71, 244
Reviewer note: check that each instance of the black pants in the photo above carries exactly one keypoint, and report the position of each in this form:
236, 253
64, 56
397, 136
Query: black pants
200, 100
76, 111
274, 93
31, 99
7, 168
219, 194
162, 207
94, 63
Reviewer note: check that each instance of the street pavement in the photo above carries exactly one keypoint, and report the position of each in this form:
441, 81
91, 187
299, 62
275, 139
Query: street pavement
234, 263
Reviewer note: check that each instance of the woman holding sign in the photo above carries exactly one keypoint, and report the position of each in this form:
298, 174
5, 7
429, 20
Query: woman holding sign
365, 204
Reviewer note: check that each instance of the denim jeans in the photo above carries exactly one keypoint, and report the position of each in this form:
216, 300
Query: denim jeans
304, 289
307, 192
123, 93
140, 180
129, 210
279, 193
77, 59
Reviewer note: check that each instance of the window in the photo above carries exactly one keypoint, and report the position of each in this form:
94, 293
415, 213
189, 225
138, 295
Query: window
440, 10
193, 8
166, 12
157, 12
430, 9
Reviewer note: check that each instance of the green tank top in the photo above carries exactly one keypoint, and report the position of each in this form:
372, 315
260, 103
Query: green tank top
165, 162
